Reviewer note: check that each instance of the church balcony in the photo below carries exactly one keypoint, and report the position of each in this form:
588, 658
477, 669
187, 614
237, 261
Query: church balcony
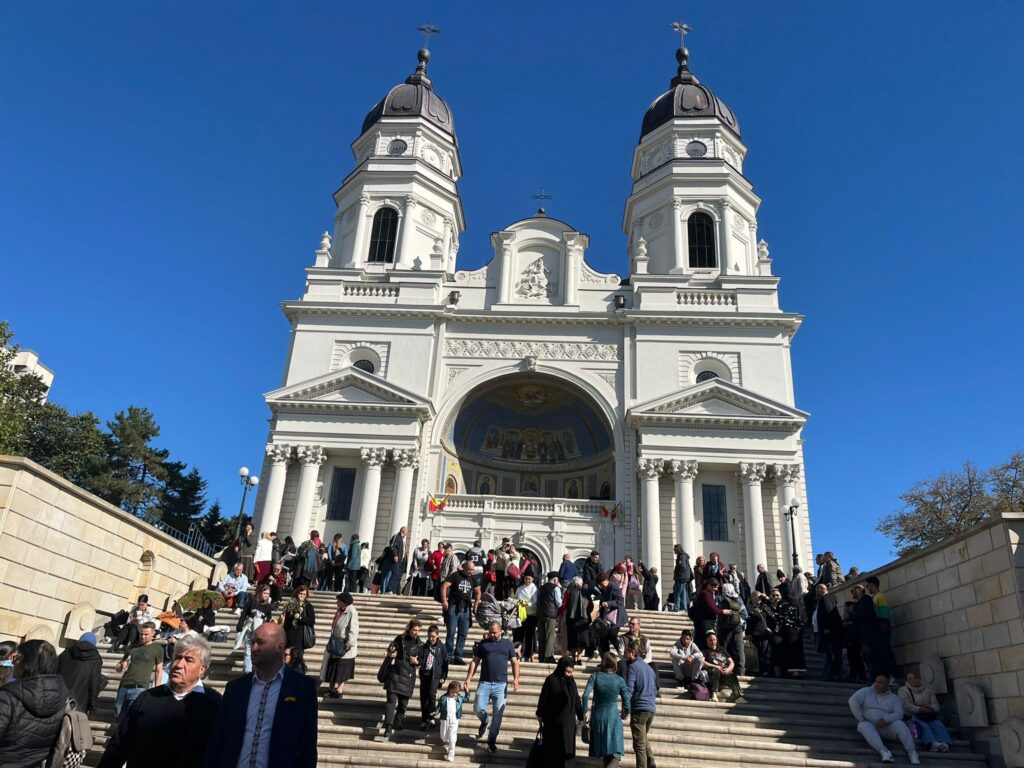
529, 506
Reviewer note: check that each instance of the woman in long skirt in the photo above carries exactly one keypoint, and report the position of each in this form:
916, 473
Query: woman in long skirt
339, 668
605, 723
558, 710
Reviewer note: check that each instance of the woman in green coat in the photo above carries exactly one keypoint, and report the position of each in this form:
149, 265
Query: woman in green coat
605, 721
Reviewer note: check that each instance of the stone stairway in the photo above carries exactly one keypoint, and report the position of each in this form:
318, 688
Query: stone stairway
782, 723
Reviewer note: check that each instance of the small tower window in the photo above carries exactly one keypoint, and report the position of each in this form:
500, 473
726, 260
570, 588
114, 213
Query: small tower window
701, 231
365, 365
705, 375
383, 236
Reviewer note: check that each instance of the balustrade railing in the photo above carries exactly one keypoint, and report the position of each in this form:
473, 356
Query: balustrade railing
510, 506
194, 538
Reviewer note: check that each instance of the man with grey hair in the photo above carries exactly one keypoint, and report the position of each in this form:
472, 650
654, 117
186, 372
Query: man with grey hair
163, 714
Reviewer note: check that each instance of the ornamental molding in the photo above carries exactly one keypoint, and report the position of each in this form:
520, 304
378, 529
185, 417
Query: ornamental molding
542, 350
279, 453
325, 395
428, 217
475, 277
689, 358
752, 473
343, 349
454, 371
588, 275
684, 470
609, 378
310, 455
373, 457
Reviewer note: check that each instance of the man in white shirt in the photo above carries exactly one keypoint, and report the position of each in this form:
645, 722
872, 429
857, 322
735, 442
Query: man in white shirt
233, 587
879, 715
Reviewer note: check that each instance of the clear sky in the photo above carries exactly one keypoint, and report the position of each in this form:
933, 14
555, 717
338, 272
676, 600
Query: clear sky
166, 170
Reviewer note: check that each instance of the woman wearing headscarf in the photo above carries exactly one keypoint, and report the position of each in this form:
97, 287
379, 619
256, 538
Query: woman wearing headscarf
340, 656
558, 710
577, 619
608, 689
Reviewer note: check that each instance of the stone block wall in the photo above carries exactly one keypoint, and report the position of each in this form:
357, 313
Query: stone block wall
65, 554
964, 600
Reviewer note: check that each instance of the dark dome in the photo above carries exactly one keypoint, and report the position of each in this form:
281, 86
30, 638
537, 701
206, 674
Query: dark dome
414, 98
686, 97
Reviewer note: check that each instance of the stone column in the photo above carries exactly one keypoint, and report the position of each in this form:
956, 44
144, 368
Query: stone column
446, 247
787, 476
360, 242
752, 475
373, 459
407, 235
279, 455
685, 472
725, 251
650, 471
681, 248
406, 461
311, 457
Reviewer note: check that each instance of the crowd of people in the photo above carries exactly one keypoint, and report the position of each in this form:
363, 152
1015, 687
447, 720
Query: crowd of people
566, 616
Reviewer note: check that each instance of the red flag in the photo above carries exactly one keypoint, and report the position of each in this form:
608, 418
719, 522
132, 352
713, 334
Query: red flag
434, 505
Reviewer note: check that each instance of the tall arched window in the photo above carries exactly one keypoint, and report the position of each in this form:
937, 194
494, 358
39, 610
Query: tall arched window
383, 236
701, 231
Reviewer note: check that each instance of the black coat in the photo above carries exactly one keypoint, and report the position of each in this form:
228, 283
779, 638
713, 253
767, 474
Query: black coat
146, 733
31, 712
401, 678
590, 572
439, 669
293, 628
559, 707
682, 571
82, 669
763, 584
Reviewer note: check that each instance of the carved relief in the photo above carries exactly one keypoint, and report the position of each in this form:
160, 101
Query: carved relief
428, 217
655, 221
535, 282
608, 378
544, 350
454, 371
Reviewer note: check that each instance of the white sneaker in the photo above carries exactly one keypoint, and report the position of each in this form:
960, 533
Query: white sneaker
943, 746
887, 756
935, 747
914, 759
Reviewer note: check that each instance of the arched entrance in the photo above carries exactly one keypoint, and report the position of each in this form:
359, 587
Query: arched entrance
529, 435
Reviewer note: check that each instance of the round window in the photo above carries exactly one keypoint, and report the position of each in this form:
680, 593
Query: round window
696, 149
364, 365
397, 147
706, 375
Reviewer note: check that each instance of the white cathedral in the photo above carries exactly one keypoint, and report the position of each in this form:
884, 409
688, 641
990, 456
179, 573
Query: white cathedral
537, 398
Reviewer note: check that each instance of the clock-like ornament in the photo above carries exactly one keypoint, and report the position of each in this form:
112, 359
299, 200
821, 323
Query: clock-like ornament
696, 149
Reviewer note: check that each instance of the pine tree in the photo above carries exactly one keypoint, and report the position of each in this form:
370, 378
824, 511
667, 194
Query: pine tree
136, 469
72, 445
214, 527
183, 496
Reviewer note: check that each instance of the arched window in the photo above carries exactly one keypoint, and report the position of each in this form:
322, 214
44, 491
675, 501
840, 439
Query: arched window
701, 231
705, 375
365, 365
383, 236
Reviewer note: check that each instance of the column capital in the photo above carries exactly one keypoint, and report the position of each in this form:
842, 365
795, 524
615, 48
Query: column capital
649, 469
726, 204
684, 470
677, 203
364, 199
279, 453
786, 474
373, 458
752, 474
311, 455
411, 202
406, 458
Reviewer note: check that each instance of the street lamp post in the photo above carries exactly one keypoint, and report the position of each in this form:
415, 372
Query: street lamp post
794, 505
248, 481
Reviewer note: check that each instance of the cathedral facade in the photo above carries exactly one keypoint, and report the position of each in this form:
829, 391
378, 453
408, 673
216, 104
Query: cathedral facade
535, 397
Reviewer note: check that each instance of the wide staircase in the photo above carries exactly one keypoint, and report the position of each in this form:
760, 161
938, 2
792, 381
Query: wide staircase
782, 722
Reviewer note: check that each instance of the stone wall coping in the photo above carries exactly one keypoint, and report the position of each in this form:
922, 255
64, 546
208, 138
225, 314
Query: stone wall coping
22, 464
988, 522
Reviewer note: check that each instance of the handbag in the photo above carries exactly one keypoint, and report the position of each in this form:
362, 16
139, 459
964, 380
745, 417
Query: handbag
585, 733
384, 671
536, 757
308, 636
336, 645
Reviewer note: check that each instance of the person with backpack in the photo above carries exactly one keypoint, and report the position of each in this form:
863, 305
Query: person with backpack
82, 669
164, 714
731, 625
32, 707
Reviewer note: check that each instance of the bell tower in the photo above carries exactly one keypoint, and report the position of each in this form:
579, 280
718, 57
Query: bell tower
692, 215
399, 209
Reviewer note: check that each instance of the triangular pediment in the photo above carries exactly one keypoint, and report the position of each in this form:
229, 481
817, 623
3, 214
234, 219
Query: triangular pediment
348, 389
717, 403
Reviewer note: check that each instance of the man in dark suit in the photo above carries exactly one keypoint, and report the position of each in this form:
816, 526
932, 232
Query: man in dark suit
269, 717
160, 716
829, 623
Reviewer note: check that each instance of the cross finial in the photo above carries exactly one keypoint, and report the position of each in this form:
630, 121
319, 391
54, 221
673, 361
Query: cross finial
428, 30
542, 197
683, 29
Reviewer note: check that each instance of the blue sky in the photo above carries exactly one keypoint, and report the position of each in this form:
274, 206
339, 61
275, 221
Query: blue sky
166, 170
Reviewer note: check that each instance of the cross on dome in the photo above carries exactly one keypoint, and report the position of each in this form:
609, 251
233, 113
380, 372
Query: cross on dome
542, 197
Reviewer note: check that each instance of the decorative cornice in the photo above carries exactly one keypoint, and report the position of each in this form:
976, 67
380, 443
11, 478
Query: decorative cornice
541, 350
684, 470
718, 423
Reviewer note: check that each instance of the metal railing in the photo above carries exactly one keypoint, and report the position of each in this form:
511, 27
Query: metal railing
194, 538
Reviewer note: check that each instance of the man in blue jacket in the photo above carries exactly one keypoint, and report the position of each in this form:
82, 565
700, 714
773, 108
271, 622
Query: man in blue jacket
642, 684
268, 718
